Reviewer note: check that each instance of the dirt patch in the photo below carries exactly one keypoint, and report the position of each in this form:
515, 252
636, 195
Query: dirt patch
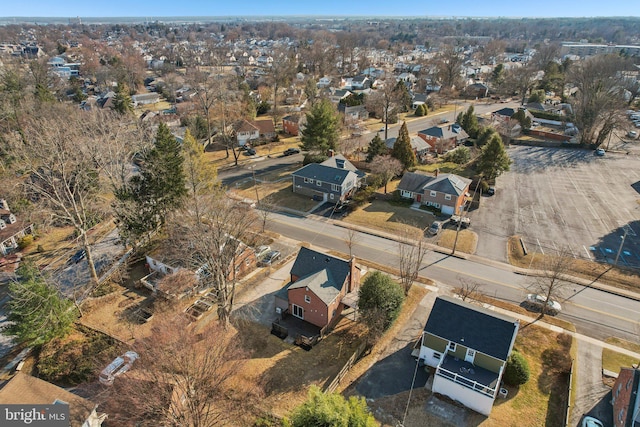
603, 273
467, 240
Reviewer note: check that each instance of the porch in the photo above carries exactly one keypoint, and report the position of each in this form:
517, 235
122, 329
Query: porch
468, 375
297, 331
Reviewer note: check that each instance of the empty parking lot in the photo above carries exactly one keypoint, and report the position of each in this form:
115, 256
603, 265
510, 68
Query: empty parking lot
556, 197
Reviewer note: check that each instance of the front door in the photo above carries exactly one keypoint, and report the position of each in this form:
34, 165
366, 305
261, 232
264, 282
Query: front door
297, 311
470, 356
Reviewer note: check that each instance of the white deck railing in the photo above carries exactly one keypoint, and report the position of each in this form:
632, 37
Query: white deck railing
466, 382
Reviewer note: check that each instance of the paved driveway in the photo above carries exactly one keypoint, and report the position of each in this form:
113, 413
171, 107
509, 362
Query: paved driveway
590, 391
555, 197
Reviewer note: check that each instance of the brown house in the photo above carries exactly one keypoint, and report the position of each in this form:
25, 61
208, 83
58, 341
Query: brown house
446, 192
291, 125
11, 229
319, 283
445, 138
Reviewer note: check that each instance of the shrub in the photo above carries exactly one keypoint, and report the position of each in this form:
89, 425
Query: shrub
25, 242
314, 158
517, 370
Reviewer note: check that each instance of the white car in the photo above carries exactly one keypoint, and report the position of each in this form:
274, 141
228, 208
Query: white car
540, 303
119, 366
632, 134
261, 251
591, 422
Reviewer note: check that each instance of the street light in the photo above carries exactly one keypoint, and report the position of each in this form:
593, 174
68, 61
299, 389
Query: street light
626, 230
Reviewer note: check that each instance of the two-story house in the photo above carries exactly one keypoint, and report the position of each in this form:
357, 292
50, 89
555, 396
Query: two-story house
333, 180
419, 146
447, 192
468, 346
625, 398
247, 132
24, 389
319, 283
445, 138
11, 229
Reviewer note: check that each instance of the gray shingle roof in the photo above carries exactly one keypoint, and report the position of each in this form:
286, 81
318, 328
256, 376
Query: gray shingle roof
507, 112
446, 183
446, 132
323, 274
471, 326
323, 173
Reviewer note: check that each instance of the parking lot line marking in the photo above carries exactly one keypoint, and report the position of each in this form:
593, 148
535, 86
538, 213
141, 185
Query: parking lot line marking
540, 246
588, 254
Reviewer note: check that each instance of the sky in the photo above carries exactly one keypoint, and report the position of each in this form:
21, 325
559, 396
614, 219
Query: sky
416, 8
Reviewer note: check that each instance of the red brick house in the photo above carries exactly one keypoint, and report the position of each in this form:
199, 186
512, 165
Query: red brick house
624, 398
319, 283
447, 192
291, 125
445, 138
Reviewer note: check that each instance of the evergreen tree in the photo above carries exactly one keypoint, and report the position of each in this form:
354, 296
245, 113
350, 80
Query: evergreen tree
37, 311
376, 148
380, 299
470, 122
159, 187
322, 129
331, 410
403, 96
122, 101
484, 135
402, 148
493, 159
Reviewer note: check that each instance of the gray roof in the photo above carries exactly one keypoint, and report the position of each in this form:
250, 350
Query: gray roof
417, 144
472, 326
446, 132
507, 112
323, 173
446, 183
321, 273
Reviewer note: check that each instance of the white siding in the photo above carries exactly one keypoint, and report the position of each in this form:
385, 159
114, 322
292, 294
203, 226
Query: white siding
469, 398
447, 210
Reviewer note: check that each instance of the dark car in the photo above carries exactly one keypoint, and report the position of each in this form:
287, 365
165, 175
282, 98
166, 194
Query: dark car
78, 256
270, 258
250, 152
290, 151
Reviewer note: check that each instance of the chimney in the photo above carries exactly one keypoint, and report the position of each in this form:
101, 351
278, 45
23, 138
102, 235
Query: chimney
4, 205
437, 169
354, 276
331, 153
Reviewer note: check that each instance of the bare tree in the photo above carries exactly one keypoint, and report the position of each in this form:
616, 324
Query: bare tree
468, 289
384, 102
550, 280
387, 168
449, 65
520, 80
216, 245
411, 252
266, 207
350, 239
180, 379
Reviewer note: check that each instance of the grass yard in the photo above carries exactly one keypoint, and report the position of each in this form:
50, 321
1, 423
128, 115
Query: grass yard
467, 240
447, 167
279, 194
613, 361
604, 273
391, 218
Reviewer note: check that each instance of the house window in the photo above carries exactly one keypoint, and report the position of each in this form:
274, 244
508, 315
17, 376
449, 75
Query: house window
307, 181
297, 311
405, 193
432, 194
335, 187
307, 299
318, 183
447, 196
331, 196
436, 355
452, 346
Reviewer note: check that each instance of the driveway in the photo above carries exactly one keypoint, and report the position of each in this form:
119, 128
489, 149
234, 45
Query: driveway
393, 372
591, 393
558, 196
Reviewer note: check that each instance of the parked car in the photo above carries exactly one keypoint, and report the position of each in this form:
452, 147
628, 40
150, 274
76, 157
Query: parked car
270, 258
434, 228
538, 302
261, 251
490, 191
632, 134
290, 151
119, 366
591, 422
78, 256
443, 121
250, 152
600, 152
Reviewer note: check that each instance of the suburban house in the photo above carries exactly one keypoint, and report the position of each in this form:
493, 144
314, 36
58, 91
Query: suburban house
333, 180
246, 132
625, 398
445, 138
468, 346
447, 192
162, 262
419, 146
11, 229
292, 124
353, 113
360, 82
324, 82
337, 95
24, 389
503, 114
319, 284
145, 99
266, 129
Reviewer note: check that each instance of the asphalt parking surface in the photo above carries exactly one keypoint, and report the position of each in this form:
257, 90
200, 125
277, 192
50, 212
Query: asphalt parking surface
560, 197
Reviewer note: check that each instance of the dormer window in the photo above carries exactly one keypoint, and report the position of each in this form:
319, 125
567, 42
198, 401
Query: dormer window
2, 224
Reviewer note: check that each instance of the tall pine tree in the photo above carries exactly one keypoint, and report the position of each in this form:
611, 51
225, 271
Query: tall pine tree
402, 148
142, 206
122, 101
493, 159
322, 129
377, 147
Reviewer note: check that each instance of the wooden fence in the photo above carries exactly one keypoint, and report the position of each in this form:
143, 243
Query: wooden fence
352, 360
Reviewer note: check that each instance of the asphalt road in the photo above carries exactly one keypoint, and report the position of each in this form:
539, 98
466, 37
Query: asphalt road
595, 313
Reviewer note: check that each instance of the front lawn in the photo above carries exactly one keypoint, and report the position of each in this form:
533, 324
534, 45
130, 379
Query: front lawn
613, 361
390, 217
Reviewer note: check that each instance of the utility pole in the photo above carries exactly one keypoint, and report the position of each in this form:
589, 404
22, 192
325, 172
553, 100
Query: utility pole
626, 230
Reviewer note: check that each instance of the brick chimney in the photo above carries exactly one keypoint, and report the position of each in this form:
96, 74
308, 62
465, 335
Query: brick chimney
354, 276
437, 170
331, 153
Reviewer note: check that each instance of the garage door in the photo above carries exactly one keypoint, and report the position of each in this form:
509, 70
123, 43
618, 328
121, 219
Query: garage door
447, 210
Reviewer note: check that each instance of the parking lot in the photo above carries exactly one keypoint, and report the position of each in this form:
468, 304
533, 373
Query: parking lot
555, 197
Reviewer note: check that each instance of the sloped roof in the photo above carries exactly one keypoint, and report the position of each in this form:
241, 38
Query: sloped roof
507, 112
445, 132
246, 126
446, 183
338, 161
25, 389
417, 143
265, 126
323, 173
320, 272
472, 326
321, 284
